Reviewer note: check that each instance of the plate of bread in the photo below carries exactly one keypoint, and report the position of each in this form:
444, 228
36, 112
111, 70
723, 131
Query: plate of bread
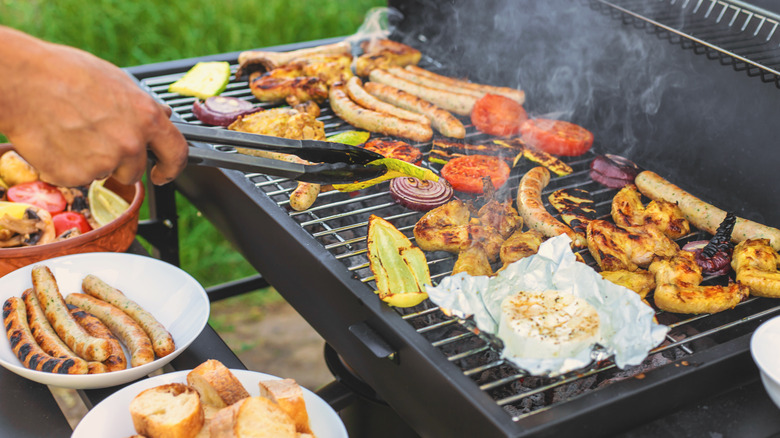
212, 401
97, 320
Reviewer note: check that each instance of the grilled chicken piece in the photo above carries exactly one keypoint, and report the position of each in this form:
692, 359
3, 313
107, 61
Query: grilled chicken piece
384, 53
501, 216
301, 80
473, 261
519, 245
628, 211
640, 281
615, 248
281, 122
576, 207
448, 228
756, 264
678, 288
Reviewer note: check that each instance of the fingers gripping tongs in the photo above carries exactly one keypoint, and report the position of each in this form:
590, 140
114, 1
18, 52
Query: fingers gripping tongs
340, 163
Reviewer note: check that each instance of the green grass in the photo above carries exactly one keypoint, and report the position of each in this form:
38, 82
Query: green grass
130, 33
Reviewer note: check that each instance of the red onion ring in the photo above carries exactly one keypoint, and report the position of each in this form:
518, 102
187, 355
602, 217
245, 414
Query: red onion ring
420, 195
221, 110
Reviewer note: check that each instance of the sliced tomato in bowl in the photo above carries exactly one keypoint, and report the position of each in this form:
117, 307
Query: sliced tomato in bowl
39, 194
465, 173
66, 220
557, 137
498, 115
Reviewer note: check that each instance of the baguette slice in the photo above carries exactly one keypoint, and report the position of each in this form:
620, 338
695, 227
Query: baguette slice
253, 417
289, 396
167, 411
217, 386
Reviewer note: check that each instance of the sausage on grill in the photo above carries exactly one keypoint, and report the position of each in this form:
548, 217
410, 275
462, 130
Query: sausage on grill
702, 215
531, 207
363, 98
458, 85
441, 120
74, 335
458, 103
373, 121
24, 346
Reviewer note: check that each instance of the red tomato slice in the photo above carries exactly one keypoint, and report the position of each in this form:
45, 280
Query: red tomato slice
39, 194
557, 137
66, 220
498, 115
465, 173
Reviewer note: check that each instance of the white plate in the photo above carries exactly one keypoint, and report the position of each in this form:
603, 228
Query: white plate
764, 346
175, 299
111, 417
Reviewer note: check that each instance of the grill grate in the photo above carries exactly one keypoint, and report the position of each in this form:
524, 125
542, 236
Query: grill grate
338, 222
743, 37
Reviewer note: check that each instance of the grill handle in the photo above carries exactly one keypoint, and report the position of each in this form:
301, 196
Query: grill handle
373, 341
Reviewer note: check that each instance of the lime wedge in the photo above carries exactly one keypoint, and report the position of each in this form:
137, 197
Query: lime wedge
203, 80
352, 138
104, 204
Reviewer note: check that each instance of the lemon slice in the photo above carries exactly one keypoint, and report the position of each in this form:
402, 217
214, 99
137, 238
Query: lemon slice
352, 138
104, 205
204, 80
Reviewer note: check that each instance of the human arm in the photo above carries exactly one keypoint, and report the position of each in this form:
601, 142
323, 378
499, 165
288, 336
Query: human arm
76, 118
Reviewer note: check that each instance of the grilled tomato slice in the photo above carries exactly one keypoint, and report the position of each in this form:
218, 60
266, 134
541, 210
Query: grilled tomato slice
557, 137
465, 173
498, 115
395, 149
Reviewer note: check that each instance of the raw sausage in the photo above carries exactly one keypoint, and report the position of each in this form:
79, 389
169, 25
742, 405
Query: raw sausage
514, 94
458, 103
74, 335
373, 121
116, 360
121, 325
46, 337
162, 341
535, 215
702, 215
23, 344
441, 120
365, 99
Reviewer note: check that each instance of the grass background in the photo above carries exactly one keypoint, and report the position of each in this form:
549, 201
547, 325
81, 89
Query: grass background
130, 33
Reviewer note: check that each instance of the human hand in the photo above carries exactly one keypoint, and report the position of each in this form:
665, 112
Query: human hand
77, 118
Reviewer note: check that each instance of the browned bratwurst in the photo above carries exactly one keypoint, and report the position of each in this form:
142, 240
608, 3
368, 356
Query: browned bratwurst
458, 85
56, 311
441, 120
24, 346
365, 99
531, 207
374, 121
116, 360
458, 103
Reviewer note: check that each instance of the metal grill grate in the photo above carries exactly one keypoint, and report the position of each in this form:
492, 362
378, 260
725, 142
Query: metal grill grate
338, 222
743, 37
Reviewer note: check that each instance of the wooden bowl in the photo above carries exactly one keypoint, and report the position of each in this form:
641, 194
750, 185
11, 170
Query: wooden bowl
116, 236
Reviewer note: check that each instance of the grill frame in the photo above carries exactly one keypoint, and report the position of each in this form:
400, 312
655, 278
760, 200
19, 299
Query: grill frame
369, 331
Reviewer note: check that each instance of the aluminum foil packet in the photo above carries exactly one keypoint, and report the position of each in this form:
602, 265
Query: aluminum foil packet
627, 329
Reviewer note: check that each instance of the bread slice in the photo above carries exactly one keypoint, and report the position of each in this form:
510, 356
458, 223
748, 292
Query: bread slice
167, 411
289, 396
253, 417
217, 386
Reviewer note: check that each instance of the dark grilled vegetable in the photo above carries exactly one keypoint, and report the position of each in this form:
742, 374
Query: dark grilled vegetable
576, 207
714, 256
613, 171
445, 150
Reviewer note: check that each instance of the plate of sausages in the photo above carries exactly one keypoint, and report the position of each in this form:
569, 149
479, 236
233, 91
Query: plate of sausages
97, 320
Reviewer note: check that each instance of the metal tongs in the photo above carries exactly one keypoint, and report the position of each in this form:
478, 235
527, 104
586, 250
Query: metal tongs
341, 163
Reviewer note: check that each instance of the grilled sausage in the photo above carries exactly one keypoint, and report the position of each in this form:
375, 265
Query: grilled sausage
702, 215
441, 120
162, 341
373, 121
81, 342
116, 360
120, 324
457, 84
46, 337
531, 207
24, 346
365, 99
458, 103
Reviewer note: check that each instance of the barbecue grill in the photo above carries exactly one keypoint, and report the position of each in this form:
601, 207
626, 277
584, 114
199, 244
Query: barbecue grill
606, 65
